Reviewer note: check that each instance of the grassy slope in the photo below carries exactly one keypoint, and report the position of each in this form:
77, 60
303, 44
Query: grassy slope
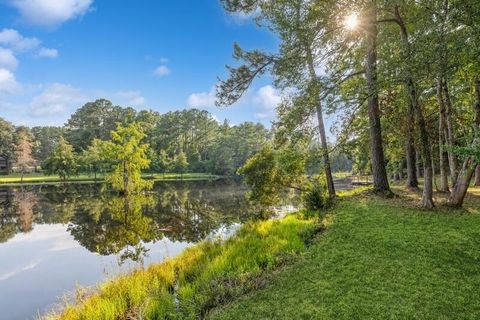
37, 178
379, 261
207, 274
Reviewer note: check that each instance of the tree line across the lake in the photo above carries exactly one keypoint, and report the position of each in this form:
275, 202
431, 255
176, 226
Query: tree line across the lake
403, 77
100, 138
180, 141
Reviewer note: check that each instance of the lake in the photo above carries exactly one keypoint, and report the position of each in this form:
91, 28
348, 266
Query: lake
55, 238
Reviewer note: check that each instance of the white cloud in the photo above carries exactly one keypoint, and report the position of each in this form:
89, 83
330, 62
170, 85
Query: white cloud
56, 99
163, 60
47, 53
8, 83
202, 99
11, 38
12, 43
162, 71
242, 17
132, 98
266, 99
7, 59
8, 275
50, 13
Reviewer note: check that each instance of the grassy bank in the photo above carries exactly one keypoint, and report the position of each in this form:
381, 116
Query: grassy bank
379, 259
203, 277
39, 178
376, 259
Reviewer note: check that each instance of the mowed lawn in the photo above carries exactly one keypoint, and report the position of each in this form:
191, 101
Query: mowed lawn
378, 259
34, 178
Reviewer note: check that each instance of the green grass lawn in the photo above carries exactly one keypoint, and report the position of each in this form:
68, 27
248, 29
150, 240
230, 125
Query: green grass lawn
38, 178
379, 259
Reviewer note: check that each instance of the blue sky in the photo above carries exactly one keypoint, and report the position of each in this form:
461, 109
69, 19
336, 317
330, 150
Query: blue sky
163, 55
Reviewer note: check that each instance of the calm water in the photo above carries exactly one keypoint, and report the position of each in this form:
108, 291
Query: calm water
53, 238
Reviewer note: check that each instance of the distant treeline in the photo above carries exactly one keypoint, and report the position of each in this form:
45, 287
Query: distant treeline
191, 136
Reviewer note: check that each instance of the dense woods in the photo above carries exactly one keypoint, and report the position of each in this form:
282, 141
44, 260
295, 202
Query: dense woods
401, 77
180, 141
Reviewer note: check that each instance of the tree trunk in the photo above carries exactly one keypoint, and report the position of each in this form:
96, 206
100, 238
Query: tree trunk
418, 164
452, 158
380, 178
477, 123
125, 178
427, 196
471, 164
325, 156
412, 175
443, 66
434, 178
477, 176
321, 125
400, 170
463, 182
443, 155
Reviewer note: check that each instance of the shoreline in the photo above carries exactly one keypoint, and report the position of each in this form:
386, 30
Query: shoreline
54, 180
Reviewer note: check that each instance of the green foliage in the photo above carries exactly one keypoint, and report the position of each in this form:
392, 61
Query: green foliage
44, 142
129, 157
93, 160
63, 161
116, 225
315, 195
472, 149
270, 172
7, 131
95, 120
260, 173
209, 147
180, 163
161, 162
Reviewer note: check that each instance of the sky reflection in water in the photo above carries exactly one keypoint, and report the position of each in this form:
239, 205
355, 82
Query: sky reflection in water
53, 238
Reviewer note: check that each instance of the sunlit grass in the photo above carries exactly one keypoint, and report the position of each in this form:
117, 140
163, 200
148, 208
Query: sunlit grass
38, 178
341, 175
379, 259
204, 276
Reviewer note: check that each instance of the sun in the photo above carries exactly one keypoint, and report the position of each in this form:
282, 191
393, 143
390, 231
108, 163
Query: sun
351, 22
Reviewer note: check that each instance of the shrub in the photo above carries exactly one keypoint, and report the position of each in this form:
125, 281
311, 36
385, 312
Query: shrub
315, 196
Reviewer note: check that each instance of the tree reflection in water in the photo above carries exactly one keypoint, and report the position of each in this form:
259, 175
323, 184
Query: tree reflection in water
115, 224
16, 212
106, 223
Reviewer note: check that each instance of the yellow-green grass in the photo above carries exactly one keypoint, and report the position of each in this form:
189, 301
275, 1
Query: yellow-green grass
40, 178
379, 259
204, 276
341, 175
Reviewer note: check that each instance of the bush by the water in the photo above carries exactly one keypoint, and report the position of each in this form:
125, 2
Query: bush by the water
315, 195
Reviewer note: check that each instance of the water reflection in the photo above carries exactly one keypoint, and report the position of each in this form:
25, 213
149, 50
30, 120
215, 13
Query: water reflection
54, 237
106, 223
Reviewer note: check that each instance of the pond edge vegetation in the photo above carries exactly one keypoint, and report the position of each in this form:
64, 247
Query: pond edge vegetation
203, 277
